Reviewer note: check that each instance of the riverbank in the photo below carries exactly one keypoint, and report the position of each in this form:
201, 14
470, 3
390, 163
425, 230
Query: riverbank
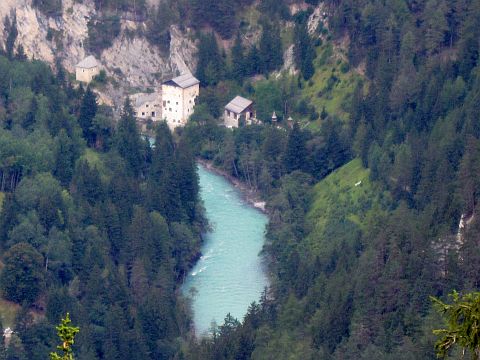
250, 195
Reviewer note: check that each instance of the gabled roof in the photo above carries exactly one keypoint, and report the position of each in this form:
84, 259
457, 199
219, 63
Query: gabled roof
238, 104
184, 81
88, 63
140, 99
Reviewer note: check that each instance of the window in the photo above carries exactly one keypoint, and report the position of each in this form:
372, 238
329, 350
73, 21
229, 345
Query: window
146, 105
153, 113
164, 104
143, 114
168, 101
169, 109
177, 102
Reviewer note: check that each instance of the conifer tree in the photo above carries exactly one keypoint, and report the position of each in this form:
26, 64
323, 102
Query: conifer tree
211, 66
10, 27
187, 178
270, 48
252, 62
462, 319
304, 52
128, 140
64, 158
88, 110
238, 60
296, 152
66, 332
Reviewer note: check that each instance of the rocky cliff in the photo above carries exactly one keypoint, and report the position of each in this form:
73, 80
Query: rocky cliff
131, 61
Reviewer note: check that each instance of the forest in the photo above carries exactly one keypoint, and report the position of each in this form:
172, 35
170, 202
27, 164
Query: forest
353, 273
94, 221
109, 225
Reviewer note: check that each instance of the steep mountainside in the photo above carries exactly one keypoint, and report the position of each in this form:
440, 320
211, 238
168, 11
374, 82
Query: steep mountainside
131, 60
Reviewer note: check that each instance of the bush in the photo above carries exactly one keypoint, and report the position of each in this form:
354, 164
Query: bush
344, 68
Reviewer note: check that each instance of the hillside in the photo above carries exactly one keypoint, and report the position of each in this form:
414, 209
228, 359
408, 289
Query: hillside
394, 106
365, 186
66, 35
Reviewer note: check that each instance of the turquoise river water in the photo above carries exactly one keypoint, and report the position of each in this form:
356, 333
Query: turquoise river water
230, 275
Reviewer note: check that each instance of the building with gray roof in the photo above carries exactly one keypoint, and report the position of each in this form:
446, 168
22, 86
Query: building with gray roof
87, 69
238, 112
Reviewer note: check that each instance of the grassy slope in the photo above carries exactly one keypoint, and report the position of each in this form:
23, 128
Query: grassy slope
334, 97
337, 200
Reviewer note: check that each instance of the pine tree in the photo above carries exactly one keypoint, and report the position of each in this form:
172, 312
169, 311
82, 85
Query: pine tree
270, 48
64, 158
66, 332
463, 324
296, 152
238, 60
252, 62
88, 110
128, 141
436, 25
211, 66
10, 27
163, 151
304, 52
187, 178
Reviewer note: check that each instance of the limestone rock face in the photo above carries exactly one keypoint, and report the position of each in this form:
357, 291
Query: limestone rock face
132, 61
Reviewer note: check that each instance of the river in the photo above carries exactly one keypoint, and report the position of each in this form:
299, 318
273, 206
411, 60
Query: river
230, 275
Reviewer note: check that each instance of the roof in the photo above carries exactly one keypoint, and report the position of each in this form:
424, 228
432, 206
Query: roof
184, 81
140, 99
239, 104
88, 63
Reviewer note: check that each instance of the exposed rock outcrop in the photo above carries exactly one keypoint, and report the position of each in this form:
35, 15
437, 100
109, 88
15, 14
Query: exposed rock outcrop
131, 60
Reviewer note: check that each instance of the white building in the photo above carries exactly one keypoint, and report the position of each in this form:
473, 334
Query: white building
147, 106
178, 99
239, 112
87, 69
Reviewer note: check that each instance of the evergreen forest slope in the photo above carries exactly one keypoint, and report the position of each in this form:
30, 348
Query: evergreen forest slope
354, 267
372, 192
93, 222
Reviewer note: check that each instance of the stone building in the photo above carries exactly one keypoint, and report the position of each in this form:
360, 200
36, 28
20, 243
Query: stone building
87, 69
239, 112
178, 99
147, 106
